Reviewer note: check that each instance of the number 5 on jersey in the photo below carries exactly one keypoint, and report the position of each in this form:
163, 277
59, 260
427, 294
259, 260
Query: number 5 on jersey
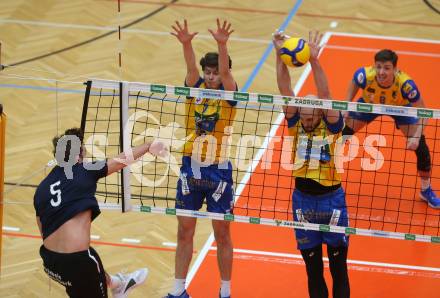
56, 192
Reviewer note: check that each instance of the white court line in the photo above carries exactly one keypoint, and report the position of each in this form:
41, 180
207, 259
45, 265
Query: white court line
11, 229
424, 40
130, 240
373, 50
169, 244
95, 237
356, 262
256, 160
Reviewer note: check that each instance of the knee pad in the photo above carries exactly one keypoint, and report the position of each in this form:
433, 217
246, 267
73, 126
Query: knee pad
423, 156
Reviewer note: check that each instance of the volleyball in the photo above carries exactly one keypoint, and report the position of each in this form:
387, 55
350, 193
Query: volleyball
295, 52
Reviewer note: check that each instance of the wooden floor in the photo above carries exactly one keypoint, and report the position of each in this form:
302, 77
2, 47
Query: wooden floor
37, 39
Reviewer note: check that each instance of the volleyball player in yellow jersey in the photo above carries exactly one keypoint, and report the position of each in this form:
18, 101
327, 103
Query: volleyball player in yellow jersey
383, 83
206, 172
318, 196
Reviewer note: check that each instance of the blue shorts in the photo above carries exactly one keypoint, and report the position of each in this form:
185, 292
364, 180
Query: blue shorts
213, 183
329, 209
368, 117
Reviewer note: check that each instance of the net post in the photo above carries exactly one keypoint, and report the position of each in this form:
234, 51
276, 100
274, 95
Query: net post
2, 172
125, 142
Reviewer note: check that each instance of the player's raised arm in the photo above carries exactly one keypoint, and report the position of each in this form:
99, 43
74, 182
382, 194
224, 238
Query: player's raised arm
156, 148
221, 36
185, 37
319, 76
283, 75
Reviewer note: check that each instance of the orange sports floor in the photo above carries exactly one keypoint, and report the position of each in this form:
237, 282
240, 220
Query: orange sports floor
266, 261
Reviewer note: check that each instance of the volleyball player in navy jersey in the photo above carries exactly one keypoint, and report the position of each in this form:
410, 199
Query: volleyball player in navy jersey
65, 206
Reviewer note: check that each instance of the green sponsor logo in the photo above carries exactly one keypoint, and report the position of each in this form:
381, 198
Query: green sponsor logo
158, 88
229, 217
350, 231
435, 239
265, 98
254, 220
170, 211
181, 91
241, 96
425, 113
287, 100
339, 105
361, 107
410, 237
324, 228
278, 222
145, 209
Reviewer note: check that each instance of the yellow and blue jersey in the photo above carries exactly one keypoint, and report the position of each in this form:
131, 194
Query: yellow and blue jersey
403, 92
208, 127
313, 152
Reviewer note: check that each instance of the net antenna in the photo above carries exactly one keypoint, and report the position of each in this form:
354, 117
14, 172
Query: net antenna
2, 163
125, 145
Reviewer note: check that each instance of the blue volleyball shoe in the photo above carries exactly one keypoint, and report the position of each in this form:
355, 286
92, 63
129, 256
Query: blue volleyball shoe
430, 197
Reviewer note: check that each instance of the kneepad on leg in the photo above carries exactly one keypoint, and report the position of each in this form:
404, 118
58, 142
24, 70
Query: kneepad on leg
423, 156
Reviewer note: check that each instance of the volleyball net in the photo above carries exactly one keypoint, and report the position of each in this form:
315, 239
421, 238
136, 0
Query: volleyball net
378, 172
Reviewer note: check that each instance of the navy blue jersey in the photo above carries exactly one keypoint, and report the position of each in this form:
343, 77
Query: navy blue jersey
58, 199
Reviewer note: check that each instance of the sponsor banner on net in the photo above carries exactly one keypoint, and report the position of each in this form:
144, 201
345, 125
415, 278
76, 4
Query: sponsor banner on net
265, 98
363, 107
340, 105
425, 113
158, 88
199, 214
213, 94
145, 209
170, 211
241, 96
182, 91
394, 110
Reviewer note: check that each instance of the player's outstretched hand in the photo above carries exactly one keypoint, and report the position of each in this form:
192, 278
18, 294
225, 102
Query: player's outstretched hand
314, 43
158, 148
223, 31
278, 38
182, 33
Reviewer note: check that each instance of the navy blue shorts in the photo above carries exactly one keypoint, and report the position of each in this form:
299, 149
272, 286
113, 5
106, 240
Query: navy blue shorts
212, 183
81, 273
368, 117
329, 209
